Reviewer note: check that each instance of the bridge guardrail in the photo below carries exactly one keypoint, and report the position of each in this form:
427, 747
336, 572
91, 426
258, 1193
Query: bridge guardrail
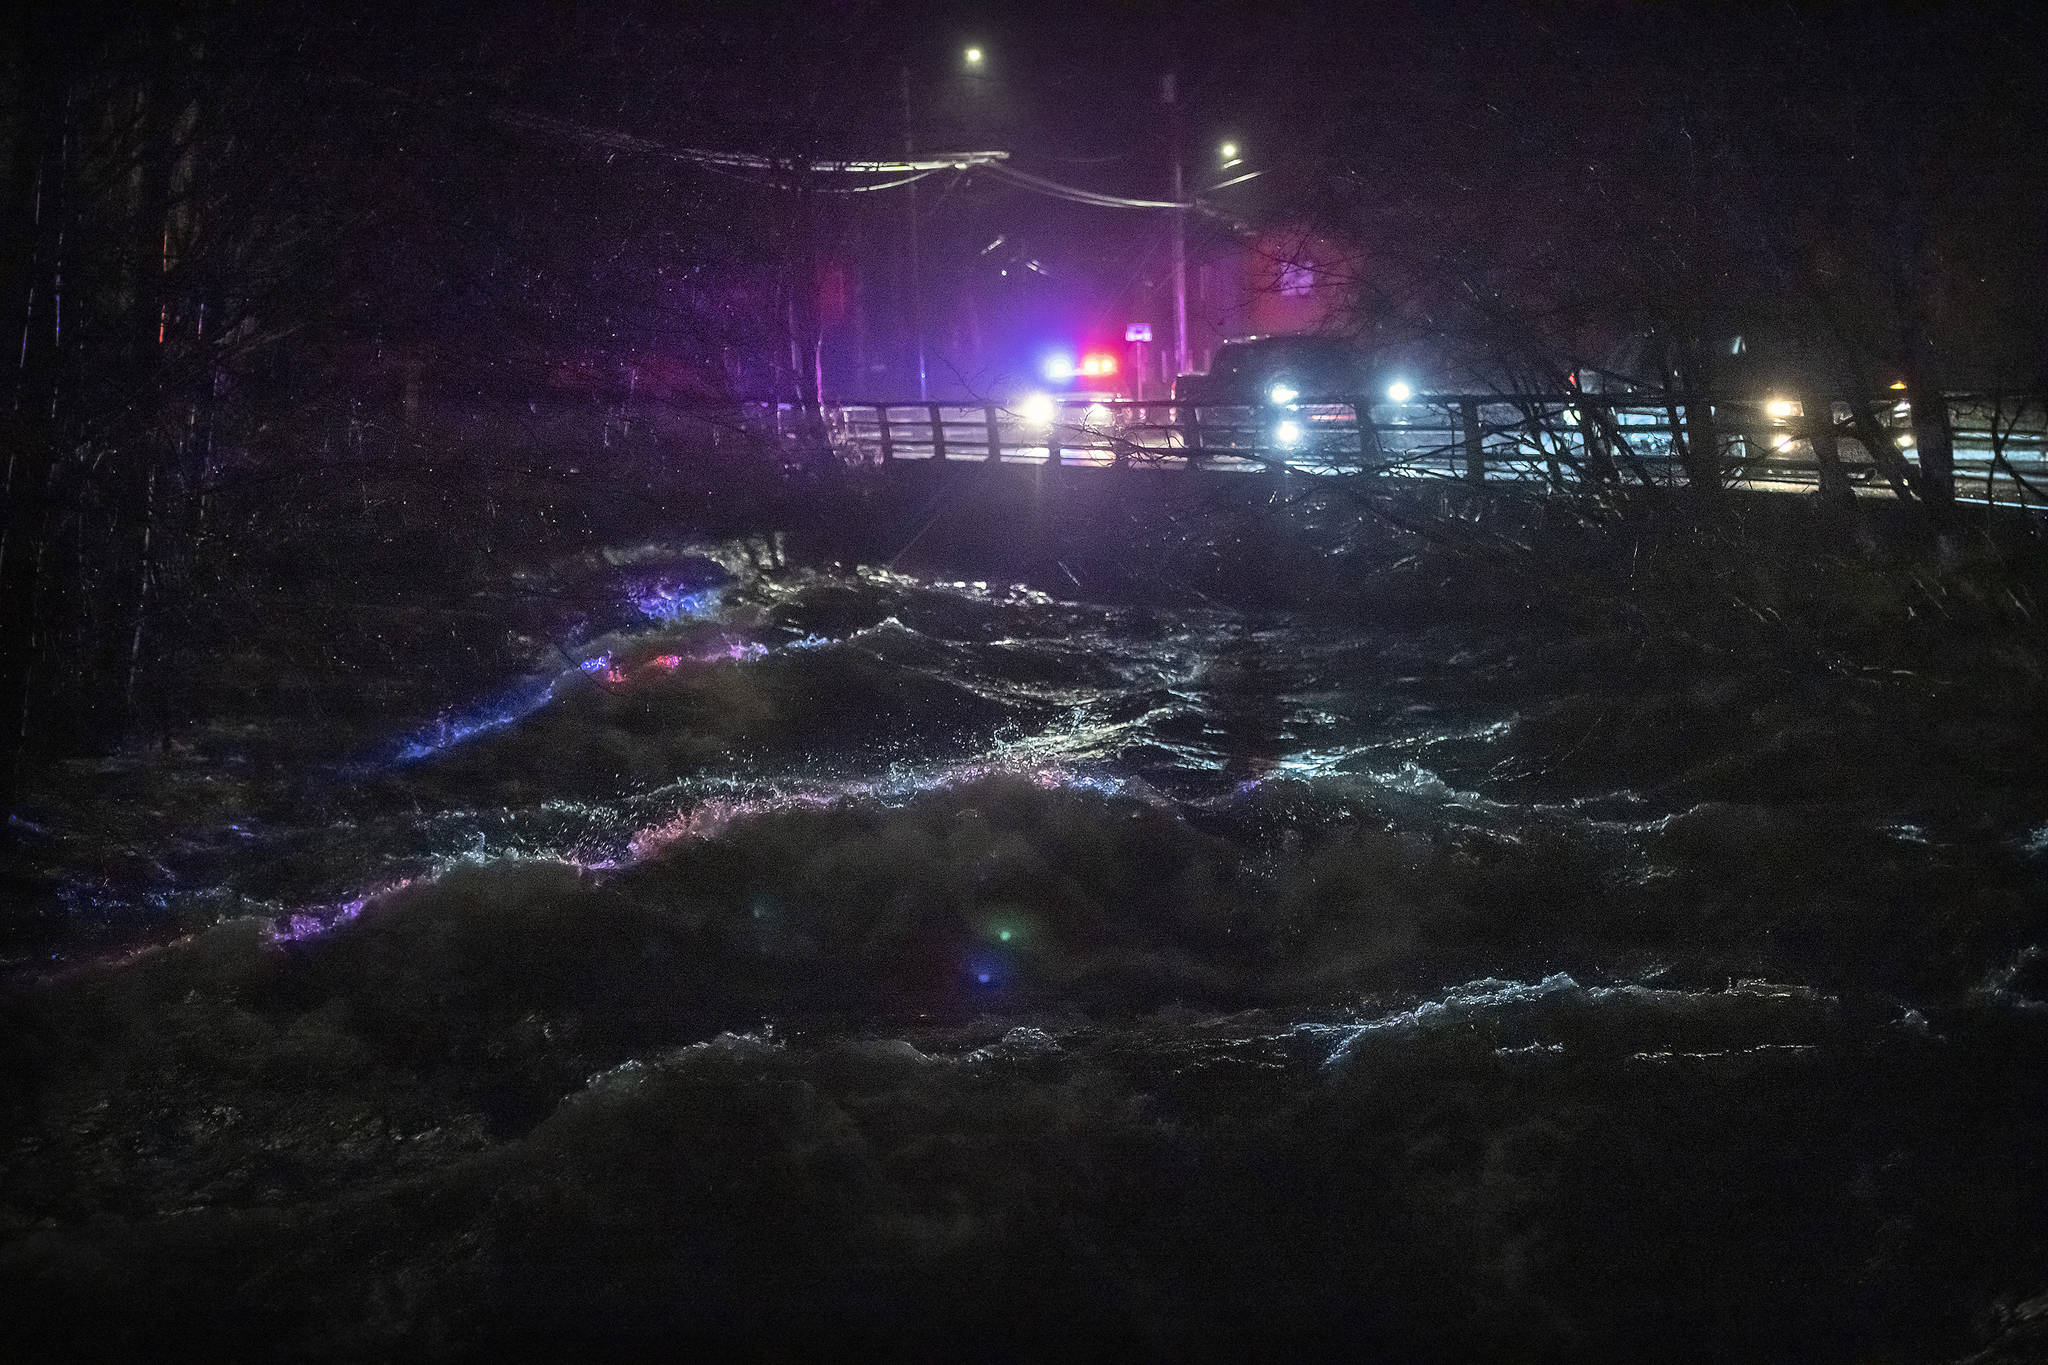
2000, 442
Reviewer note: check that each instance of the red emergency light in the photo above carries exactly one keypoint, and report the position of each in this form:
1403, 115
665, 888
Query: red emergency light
1098, 363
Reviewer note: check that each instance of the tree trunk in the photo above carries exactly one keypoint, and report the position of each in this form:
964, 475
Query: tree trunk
1827, 452
1934, 438
807, 341
1701, 454
1884, 451
35, 186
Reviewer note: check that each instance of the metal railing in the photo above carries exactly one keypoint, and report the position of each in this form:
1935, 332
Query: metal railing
2000, 442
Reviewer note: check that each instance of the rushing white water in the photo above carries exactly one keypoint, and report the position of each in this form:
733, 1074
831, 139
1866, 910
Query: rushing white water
819, 938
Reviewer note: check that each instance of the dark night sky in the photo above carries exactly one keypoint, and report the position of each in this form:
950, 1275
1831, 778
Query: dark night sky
1532, 130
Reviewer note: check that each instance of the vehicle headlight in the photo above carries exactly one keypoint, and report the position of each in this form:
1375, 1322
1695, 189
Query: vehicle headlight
1288, 433
1400, 391
1098, 414
1283, 393
1038, 410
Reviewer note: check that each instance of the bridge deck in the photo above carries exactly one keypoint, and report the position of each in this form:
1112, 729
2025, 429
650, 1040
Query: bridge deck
2000, 442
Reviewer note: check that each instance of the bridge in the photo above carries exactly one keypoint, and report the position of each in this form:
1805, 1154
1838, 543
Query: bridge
1549, 441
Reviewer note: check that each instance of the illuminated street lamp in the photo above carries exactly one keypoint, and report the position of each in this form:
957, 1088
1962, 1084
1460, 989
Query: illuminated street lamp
1230, 156
974, 58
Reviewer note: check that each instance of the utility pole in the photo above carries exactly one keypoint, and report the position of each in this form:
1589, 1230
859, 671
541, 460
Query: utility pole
1180, 228
916, 291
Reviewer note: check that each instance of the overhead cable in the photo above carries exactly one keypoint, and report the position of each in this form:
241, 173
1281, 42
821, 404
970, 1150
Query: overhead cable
1077, 194
605, 137
909, 171
885, 185
938, 161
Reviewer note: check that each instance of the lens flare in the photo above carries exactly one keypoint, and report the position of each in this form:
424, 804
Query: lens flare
1038, 410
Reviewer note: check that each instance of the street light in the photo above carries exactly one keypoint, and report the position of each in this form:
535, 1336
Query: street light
1230, 156
974, 57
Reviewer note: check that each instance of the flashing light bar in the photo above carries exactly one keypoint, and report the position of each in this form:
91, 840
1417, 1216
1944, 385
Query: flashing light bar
1059, 367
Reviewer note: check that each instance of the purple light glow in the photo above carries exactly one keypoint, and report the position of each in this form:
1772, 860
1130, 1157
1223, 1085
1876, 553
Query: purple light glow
710, 818
531, 695
448, 731
667, 602
317, 920
727, 650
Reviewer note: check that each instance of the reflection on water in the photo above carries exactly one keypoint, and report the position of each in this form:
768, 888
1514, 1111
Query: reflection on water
797, 956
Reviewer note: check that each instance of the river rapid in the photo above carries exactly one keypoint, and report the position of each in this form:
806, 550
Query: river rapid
790, 959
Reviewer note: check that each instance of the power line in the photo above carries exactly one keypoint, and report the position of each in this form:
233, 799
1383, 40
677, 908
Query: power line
1076, 194
909, 170
701, 156
885, 185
